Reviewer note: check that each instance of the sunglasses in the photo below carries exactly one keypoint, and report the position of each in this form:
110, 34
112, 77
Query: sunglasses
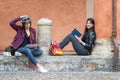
26, 19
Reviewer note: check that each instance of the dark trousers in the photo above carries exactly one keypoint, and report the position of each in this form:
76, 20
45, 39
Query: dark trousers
78, 47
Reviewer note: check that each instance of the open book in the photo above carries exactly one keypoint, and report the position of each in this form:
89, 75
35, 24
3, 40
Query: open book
31, 45
76, 32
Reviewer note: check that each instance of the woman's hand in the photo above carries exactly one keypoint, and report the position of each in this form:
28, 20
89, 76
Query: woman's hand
23, 16
80, 40
36, 47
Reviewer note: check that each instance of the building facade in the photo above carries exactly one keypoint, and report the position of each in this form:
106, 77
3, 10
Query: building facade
65, 14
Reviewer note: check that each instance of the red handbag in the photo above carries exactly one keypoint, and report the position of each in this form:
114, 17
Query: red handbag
55, 49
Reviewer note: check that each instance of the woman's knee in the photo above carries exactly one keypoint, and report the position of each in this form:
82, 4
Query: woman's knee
38, 52
70, 35
25, 50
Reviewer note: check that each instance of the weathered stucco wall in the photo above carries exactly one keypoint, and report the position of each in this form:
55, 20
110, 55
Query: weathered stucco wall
65, 14
103, 18
118, 19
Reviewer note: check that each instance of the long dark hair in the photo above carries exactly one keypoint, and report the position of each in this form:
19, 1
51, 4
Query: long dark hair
92, 22
23, 24
86, 31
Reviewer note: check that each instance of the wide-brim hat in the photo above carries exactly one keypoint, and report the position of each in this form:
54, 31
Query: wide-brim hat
26, 19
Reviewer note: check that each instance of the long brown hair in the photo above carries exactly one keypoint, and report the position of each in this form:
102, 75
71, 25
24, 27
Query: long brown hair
23, 24
86, 32
92, 22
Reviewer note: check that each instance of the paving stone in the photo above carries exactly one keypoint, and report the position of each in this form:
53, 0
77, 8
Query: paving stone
60, 76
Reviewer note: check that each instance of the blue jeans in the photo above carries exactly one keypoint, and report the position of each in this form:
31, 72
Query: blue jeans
30, 53
78, 47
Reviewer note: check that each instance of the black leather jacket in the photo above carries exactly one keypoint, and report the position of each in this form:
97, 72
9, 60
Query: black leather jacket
89, 39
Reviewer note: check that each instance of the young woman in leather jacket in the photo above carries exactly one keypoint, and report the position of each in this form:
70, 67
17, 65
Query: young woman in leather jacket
82, 45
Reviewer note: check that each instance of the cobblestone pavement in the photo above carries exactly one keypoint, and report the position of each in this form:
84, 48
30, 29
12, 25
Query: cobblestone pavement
59, 76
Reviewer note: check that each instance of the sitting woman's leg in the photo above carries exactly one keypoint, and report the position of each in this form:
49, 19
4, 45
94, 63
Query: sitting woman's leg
65, 41
30, 53
79, 49
37, 52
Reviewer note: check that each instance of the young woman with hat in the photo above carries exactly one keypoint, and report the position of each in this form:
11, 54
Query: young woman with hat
26, 35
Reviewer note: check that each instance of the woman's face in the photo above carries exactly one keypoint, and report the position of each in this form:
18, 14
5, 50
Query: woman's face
89, 24
27, 25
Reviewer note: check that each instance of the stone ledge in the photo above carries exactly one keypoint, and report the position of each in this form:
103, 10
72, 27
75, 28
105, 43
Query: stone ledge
76, 63
12, 63
67, 63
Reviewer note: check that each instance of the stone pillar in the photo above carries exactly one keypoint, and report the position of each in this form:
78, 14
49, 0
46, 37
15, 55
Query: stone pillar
90, 8
44, 34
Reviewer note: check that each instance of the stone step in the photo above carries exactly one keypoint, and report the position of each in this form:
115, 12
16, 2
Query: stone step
66, 63
60, 76
75, 63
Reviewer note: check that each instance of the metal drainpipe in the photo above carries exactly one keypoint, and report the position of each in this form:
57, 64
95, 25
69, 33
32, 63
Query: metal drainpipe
114, 13
114, 34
